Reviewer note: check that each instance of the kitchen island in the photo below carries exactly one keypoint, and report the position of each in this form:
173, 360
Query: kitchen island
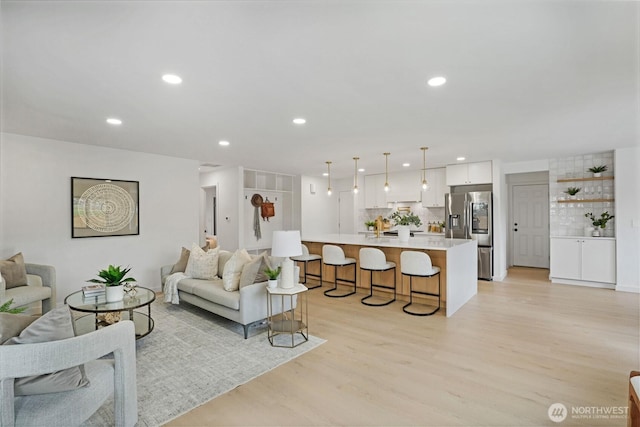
457, 259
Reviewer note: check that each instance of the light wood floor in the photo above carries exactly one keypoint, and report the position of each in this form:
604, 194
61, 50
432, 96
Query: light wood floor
513, 350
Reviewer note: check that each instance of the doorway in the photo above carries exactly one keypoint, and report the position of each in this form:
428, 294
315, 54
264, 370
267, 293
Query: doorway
530, 225
210, 226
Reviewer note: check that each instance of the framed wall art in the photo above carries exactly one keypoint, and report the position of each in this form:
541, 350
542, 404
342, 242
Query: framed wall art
104, 207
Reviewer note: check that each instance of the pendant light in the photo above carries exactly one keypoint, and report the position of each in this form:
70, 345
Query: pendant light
328, 178
425, 184
355, 176
386, 171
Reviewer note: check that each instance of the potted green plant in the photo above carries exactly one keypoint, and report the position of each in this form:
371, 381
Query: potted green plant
272, 274
113, 279
597, 170
572, 191
403, 222
370, 225
600, 222
6, 308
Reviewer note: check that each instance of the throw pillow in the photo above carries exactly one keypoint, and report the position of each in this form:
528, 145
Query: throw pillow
223, 258
12, 324
181, 265
201, 264
262, 275
251, 269
233, 270
53, 326
13, 271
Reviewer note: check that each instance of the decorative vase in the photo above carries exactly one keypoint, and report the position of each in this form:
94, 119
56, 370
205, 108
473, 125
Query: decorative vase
595, 232
272, 283
114, 293
404, 231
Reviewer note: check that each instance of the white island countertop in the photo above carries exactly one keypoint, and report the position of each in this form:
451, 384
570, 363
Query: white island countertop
436, 243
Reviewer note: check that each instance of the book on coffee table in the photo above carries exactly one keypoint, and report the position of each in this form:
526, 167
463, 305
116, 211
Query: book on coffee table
93, 290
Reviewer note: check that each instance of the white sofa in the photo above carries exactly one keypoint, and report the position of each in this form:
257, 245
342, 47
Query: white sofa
244, 306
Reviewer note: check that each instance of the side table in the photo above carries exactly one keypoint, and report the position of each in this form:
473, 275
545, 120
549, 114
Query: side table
293, 322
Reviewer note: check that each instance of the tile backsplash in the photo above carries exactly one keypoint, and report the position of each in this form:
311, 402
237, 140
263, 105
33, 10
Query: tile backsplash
567, 213
427, 215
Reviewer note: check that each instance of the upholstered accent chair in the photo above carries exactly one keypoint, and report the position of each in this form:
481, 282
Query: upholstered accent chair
40, 288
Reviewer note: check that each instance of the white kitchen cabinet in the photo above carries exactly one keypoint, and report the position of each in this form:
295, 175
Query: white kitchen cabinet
433, 197
404, 186
469, 173
583, 260
374, 194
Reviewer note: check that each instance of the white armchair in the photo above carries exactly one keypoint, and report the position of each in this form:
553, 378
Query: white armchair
107, 376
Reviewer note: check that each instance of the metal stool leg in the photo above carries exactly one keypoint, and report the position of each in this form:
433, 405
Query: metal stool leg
411, 292
373, 285
331, 293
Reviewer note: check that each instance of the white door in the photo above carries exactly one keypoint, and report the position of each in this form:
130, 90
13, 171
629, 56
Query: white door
531, 225
345, 215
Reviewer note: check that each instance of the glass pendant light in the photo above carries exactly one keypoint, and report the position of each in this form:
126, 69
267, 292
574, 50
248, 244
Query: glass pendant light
328, 178
355, 176
425, 184
386, 171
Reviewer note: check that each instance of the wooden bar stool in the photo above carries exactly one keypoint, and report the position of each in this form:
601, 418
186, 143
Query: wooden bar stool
306, 258
334, 255
372, 259
418, 264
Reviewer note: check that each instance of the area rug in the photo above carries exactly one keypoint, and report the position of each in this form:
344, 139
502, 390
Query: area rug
191, 357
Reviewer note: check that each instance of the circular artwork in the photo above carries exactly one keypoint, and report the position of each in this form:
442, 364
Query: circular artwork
106, 208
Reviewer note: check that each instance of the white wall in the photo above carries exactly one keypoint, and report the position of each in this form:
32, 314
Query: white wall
319, 212
500, 204
627, 221
228, 182
36, 208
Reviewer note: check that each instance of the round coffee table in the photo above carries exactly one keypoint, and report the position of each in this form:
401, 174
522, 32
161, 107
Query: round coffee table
98, 305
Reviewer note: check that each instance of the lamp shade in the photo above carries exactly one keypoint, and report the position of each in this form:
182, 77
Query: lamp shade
286, 243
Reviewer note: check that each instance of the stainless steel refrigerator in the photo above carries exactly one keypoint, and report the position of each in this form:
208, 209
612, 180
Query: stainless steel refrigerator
469, 216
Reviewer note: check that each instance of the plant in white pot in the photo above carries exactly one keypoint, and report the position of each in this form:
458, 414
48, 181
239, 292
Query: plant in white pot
597, 170
403, 222
599, 222
113, 279
272, 274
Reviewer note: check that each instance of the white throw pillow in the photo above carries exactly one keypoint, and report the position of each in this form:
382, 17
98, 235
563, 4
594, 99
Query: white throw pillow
201, 264
233, 270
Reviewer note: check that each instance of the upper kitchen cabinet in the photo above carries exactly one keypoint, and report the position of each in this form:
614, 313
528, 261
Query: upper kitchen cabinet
433, 197
374, 194
469, 173
404, 186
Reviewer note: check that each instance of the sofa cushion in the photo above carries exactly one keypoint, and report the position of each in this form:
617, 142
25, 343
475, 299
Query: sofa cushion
14, 271
23, 295
214, 291
53, 326
233, 270
251, 269
201, 264
188, 285
223, 258
181, 265
12, 324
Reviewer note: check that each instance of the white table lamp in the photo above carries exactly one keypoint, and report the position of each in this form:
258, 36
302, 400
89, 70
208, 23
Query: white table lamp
286, 244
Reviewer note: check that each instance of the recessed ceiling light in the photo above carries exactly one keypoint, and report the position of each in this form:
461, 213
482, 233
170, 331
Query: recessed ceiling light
325, 174
460, 158
361, 170
114, 121
436, 81
223, 143
299, 121
406, 165
172, 79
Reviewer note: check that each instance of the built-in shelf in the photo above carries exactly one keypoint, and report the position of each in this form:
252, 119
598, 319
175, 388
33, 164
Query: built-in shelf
602, 178
260, 180
586, 201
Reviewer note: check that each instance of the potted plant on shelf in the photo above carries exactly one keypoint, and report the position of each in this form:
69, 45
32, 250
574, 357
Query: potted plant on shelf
597, 170
370, 225
572, 191
272, 274
114, 281
403, 222
599, 222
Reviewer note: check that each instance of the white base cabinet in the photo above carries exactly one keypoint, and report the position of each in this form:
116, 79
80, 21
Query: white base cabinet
583, 261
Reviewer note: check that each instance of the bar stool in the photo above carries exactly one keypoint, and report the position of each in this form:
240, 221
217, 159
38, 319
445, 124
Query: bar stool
334, 255
306, 258
418, 264
372, 259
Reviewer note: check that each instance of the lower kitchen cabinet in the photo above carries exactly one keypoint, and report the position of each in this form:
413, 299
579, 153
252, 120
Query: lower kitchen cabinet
583, 260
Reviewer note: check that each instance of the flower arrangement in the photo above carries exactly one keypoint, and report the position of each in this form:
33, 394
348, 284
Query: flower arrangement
572, 191
599, 222
113, 276
406, 218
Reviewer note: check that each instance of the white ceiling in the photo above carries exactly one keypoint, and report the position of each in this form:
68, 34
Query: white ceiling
526, 79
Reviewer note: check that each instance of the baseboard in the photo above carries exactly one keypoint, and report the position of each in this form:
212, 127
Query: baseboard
632, 289
500, 277
583, 283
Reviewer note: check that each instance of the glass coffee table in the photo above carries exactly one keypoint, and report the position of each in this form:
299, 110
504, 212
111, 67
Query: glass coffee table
98, 306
